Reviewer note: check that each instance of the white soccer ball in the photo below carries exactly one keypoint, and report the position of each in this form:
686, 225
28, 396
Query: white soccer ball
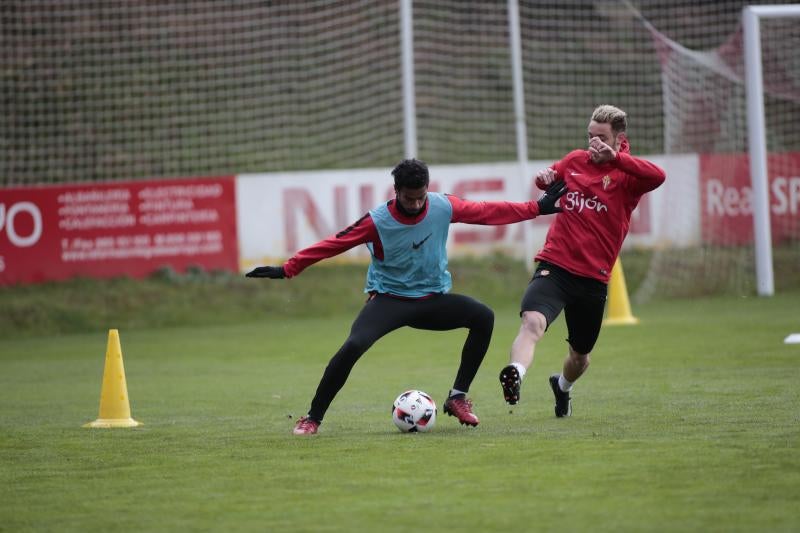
414, 411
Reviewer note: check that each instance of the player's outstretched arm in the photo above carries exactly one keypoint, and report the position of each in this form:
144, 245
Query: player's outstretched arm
272, 272
499, 213
360, 232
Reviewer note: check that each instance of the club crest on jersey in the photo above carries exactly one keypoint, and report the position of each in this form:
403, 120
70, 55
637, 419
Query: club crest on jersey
606, 181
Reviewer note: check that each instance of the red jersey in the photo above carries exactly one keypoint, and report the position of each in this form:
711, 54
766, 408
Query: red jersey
363, 230
586, 237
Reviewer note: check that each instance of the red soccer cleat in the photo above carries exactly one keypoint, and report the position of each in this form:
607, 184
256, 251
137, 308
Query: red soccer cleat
460, 407
306, 426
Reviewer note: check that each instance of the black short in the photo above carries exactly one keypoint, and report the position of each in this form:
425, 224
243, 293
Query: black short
583, 300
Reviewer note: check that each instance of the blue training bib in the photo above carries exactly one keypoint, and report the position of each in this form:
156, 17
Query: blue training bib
414, 256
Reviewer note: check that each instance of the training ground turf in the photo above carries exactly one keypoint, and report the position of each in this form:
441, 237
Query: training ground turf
689, 421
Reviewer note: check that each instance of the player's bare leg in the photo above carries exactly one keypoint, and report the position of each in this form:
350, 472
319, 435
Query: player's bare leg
575, 364
530, 332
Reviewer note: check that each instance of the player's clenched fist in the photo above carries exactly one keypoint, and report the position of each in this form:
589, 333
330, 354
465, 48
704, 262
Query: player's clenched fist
600, 152
545, 177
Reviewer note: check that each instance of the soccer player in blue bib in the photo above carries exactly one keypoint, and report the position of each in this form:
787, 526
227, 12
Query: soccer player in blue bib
408, 282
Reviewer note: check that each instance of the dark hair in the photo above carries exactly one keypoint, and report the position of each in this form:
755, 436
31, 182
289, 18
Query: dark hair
410, 174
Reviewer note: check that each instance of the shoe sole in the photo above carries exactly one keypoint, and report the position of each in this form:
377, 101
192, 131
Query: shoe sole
556, 391
462, 422
509, 380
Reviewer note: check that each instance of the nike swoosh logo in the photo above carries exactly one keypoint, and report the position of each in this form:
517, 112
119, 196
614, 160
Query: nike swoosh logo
416, 245
575, 174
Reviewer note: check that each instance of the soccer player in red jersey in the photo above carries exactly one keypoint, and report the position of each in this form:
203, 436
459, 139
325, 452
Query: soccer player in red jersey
605, 184
407, 280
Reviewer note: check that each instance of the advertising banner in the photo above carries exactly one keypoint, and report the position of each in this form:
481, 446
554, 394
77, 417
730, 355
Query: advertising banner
726, 198
116, 229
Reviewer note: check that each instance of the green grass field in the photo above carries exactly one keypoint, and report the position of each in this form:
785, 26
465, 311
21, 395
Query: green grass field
689, 421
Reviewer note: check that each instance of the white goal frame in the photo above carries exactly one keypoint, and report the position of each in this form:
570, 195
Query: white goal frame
757, 140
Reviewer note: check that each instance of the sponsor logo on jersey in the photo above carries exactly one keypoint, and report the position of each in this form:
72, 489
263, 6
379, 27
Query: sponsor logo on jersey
577, 201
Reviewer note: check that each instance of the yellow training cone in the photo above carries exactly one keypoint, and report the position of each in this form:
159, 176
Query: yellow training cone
115, 410
619, 307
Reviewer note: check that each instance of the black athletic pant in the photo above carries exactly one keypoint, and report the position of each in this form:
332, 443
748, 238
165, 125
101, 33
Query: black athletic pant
383, 314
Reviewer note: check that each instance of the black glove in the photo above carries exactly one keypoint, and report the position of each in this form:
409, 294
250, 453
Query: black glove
267, 272
547, 203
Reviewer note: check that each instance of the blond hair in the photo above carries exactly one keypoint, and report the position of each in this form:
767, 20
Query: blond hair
608, 114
